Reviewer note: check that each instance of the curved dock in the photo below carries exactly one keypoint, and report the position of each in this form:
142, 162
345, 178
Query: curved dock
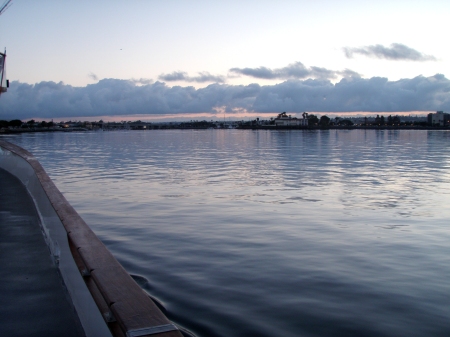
99, 296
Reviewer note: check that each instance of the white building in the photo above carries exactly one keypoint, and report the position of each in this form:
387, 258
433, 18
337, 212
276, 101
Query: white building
440, 118
284, 120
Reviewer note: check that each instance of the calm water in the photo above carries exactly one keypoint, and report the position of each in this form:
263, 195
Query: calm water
270, 233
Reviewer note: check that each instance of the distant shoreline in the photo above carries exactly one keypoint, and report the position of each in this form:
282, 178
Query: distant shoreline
259, 127
353, 127
20, 130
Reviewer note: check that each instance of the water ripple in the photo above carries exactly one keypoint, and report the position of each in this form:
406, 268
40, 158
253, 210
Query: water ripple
270, 233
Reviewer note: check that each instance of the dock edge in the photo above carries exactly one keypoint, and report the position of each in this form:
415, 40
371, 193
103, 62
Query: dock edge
103, 294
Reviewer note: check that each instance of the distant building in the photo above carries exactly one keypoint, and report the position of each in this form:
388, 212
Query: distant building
440, 118
115, 126
284, 120
138, 126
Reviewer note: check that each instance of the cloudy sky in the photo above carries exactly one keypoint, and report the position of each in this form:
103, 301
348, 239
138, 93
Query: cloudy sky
172, 58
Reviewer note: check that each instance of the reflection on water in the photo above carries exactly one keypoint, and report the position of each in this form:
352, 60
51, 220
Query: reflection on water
270, 233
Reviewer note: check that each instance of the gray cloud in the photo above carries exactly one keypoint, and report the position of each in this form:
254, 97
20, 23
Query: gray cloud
175, 76
92, 76
183, 76
397, 52
110, 97
206, 77
142, 81
349, 73
295, 70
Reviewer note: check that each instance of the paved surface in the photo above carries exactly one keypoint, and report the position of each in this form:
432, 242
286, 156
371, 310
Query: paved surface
32, 298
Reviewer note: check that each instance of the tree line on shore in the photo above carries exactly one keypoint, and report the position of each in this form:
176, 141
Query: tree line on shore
313, 121
367, 121
17, 123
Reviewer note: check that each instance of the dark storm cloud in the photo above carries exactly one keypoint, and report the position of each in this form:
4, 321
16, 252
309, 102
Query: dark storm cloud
111, 97
183, 76
397, 52
295, 70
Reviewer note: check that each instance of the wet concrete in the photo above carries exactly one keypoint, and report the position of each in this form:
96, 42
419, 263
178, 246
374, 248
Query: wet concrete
33, 300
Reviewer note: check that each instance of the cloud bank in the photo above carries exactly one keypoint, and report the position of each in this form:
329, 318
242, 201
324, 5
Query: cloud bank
113, 97
396, 52
293, 71
202, 77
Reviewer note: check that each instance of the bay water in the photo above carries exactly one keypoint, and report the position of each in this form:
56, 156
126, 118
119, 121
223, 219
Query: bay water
270, 233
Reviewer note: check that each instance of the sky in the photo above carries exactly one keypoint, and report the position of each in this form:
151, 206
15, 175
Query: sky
176, 58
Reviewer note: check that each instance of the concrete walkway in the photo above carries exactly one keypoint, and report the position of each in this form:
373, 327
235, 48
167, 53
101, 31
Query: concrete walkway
33, 301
